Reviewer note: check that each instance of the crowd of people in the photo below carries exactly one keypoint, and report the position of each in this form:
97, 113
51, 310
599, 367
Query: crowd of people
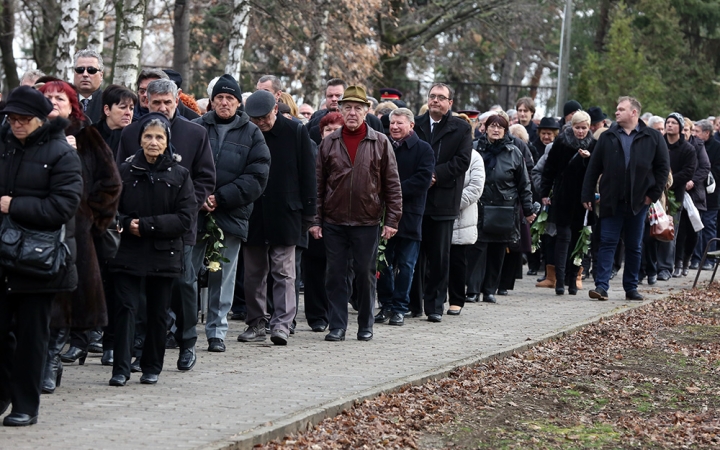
150, 195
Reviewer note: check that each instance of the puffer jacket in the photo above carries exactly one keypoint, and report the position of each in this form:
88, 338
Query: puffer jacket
242, 166
48, 185
354, 194
465, 231
163, 198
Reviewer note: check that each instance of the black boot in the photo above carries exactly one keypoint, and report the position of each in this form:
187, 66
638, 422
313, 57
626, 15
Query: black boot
52, 374
572, 280
559, 281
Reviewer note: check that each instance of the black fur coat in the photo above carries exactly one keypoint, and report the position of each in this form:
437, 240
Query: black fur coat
85, 307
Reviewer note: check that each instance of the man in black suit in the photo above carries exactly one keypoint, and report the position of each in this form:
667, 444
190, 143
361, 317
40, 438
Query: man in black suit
87, 79
451, 140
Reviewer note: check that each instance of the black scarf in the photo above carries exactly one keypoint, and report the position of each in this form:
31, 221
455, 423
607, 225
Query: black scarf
573, 142
492, 150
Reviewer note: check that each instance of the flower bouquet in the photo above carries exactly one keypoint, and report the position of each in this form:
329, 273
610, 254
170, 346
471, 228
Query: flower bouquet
582, 246
538, 228
213, 252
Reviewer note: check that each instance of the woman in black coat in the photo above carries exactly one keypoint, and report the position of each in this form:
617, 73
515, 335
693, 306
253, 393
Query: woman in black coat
507, 185
156, 210
85, 308
41, 184
563, 175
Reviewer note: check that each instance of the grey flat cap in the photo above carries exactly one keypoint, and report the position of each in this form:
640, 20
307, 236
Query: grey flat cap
259, 104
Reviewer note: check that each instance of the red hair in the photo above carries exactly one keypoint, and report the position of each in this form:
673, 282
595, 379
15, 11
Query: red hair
67, 89
331, 118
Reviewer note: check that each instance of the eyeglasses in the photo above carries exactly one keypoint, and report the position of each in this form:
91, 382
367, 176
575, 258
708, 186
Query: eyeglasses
22, 120
495, 125
440, 98
306, 114
90, 70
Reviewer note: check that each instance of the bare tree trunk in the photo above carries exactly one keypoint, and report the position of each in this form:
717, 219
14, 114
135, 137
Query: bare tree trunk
67, 38
44, 25
129, 43
241, 17
316, 57
7, 34
96, 38
181, 33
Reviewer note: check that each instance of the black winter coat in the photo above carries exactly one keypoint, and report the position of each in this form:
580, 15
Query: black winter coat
452, 144
698, 193
85, 307
564, 173
94, 110
163, 198
48, 185
683, 163
712, 147
191, 143
313, 124
291, 191
415, 161
648, 169
506, 184
242, 165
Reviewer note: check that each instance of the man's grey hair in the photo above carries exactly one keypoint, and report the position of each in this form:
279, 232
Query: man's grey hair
646, 116
705, 125
403, 112
33, 74
373, 102
276, 83
155, 74
655, 119
88, 53
160, 87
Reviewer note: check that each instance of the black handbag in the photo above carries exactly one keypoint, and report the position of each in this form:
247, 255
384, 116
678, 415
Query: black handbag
497, 219
41, 254
108, 243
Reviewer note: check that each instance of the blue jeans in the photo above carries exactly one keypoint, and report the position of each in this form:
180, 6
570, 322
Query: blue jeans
611, 229
709, 219
394, 289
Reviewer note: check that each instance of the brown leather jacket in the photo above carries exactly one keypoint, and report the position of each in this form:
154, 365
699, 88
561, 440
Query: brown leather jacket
354, 195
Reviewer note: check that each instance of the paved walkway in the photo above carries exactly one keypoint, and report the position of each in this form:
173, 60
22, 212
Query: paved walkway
255, 391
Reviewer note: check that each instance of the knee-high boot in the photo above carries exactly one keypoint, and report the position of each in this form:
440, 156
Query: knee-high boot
53, 366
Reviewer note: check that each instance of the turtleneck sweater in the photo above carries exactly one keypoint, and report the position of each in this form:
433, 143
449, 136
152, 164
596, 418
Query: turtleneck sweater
352, 139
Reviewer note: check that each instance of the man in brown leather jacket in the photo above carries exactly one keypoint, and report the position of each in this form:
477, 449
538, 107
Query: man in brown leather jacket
357, 179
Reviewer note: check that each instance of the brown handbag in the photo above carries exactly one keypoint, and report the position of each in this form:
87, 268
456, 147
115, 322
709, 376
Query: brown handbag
661, 224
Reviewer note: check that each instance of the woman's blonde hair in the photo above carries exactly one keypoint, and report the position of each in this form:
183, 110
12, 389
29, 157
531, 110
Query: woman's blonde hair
580, 117
288, 100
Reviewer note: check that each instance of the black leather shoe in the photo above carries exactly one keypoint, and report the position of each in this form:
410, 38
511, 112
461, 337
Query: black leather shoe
414, 314
238, 316
472, 298
118, 380
19, 420
454, 312
135, 366
216, 345
187, 359
634, 295
685, 271
107, 358
279, 337
74, 354
335, 335
52, 376
435, 318
677, 273
149, 378
382, 316
502, 292
319, 327
558, 291
489, 298
170, 341
95, 342
664, 275
695, 265
652, 279
598, 294
292, 328
531, 272
4, 404
708, 266
253, 334
397, 319
364, 335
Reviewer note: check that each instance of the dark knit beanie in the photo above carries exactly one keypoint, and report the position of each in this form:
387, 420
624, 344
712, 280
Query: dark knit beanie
677, 116
570, 107
226, 84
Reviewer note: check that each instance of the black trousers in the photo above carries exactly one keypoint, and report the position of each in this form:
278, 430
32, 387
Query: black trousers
432, 270
686, 241
485, 278
158, 291
511, 270
314, 264
458, 273
360, 245
24, 335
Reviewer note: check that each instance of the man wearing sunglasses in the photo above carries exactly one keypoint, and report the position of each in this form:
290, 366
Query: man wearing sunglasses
87, 80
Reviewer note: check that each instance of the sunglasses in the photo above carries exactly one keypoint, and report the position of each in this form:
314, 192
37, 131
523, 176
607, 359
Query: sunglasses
91, 70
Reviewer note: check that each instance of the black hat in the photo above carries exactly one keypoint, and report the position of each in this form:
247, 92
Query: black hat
596, 114
570, 107
259, 104
27, 101
175, 76
226, 84
677, 116
549, 123
144, 120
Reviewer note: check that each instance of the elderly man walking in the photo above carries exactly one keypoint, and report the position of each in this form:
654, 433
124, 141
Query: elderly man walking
357, 175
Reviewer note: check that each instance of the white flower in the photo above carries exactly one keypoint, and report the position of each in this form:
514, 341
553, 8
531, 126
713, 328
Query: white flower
577, 261
214, 266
